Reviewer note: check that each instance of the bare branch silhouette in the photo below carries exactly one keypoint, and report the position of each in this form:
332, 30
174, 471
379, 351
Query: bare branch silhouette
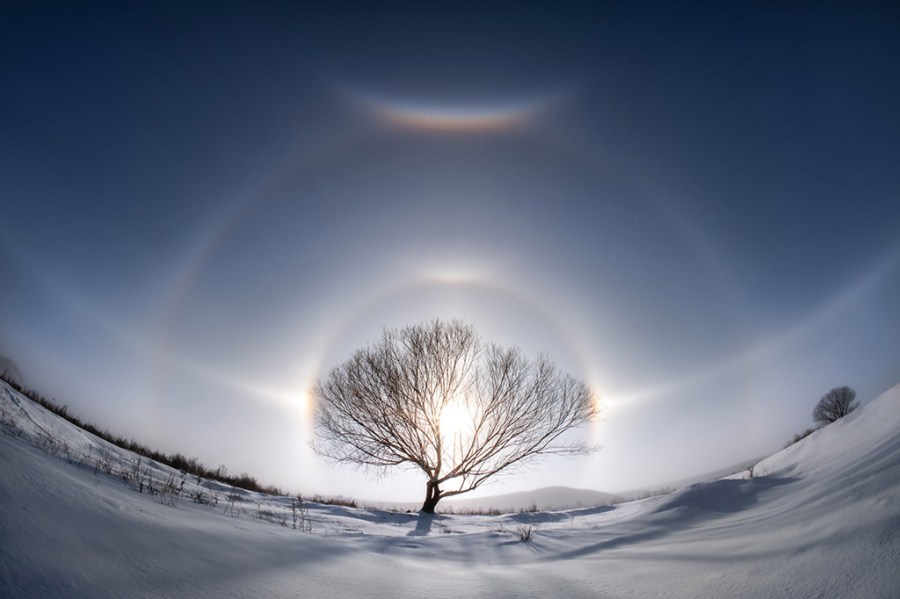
389, 404
835, 404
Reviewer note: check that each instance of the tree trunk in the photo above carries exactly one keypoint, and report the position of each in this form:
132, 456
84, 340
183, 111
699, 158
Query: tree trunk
432, 496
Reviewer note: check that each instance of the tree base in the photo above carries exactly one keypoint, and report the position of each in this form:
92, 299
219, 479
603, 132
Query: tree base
432, 496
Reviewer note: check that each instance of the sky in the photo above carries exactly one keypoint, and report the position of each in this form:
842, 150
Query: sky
693, 208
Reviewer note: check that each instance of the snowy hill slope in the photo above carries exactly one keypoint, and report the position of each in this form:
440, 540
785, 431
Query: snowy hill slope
820, 519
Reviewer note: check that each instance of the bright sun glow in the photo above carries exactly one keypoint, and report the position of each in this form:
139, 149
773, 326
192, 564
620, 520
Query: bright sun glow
301, 401
455, 422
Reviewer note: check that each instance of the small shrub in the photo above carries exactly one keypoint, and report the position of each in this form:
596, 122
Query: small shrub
103, 461
800, 436
46, 442
268, 515
65, 450
7, 419
137, 474
524, 533
300, 514
231, 499
530, 509
171, 489
205, 497
341, 501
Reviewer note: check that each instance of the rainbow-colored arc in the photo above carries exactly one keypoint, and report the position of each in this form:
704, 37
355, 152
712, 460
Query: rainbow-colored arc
448, 117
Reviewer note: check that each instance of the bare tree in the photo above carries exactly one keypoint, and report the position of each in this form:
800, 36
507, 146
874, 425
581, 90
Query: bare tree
835, 404
435, 398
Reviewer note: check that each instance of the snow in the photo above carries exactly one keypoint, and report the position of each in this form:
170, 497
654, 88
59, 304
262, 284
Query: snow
819, 519
546, 498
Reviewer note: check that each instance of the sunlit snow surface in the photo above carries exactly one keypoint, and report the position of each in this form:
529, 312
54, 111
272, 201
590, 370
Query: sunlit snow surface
820, 519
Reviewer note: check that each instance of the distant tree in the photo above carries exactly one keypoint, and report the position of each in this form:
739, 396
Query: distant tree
835, 404
435, 398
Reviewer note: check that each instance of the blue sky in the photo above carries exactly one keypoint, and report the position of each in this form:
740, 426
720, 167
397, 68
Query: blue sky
693, 208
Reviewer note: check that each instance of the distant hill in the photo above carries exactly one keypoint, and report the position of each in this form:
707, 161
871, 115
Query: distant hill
546, 498
562, 498
674, 485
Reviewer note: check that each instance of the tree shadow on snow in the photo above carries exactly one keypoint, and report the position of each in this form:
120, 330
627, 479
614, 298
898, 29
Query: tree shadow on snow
423, 525
688, 508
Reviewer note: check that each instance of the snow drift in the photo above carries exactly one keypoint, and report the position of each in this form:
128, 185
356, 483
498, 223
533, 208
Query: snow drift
819, 519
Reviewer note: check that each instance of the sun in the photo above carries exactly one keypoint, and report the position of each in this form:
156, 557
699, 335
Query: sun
456, 423
301, 401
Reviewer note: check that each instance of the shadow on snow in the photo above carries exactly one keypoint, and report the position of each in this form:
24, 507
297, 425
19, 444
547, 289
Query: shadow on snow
691, 507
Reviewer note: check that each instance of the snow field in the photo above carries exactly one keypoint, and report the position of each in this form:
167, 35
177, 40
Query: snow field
819, 519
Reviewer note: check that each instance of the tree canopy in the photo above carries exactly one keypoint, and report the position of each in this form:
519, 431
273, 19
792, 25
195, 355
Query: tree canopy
435, 397
835, 404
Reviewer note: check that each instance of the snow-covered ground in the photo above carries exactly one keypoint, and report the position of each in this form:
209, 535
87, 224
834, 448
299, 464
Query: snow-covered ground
819, 519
